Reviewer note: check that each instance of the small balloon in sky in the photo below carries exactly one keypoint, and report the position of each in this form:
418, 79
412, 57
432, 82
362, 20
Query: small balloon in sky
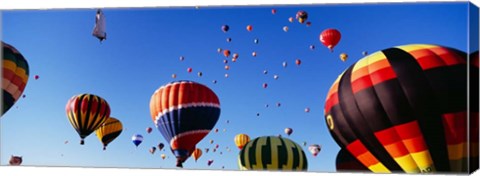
364, 53
249, 28
214, 81
279, 104
189, 69
23, 96
209, 162
285, 28
174, 76
219, 50
258, 114
149, 130
235, 55
298, 62
290, 19
36, 77
225, 61
226, 75
312, 47
15, 160
265, 72
182, 58
301, 16
265, 85
274, 11
227, 67
225, 28
308, 23
307, 109
216, 130
343, 57
255, 41
226, 53
275, 77
234, 59
266, 105
229, 39
199, 74
284, 64
254, 54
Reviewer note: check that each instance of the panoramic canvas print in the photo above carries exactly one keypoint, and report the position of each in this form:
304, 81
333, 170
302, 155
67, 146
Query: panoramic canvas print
373, 88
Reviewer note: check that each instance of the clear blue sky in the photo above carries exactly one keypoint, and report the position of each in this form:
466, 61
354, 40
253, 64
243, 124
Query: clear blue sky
143, 49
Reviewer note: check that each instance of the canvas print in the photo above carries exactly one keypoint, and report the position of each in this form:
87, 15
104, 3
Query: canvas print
366, 87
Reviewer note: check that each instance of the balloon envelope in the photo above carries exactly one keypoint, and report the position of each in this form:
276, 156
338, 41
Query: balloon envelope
108, 131
15, 71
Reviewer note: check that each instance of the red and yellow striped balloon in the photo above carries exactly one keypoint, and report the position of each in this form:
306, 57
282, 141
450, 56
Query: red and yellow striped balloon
240, 140
404, 109
86, 113
15, 73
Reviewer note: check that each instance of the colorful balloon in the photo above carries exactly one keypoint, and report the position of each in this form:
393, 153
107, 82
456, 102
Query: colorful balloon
15, 160
275, 77
15, 72
249, 28
137, 139
298, 62
163, 156
364, 53
285, 28
284, 64
152, 150
265, 85
308, 23
254, 54
189, 69
274, 11
343, 57
174, 76
226, 53
288, 131
312, 47
195, 106
330, 38
225, 28
149, 130
87, 113
199, 74
405, 107
108, 131
272, 153
307, 110
290, 19
197, 153
240, 140
255, 41
229, 39
314, 149
345, 162
301, 16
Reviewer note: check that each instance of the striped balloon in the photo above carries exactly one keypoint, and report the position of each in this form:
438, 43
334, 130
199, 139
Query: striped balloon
184, 112
86, 113
240, 140
403, 109
15, 73
197, 153
109, 130
474, 109
272, 153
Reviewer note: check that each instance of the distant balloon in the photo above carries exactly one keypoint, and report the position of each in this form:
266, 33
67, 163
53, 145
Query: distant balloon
279, 104
258, 114
206, 150
152, 150
309, 23
284, 64
225, 61
255, 41
228, 121
149, 130
275, 77
288, 131
214, 81
285, 28
343, 57
14, 76
197, 153
307, 110
290, 19
219, 50
226, 75
174, 76
235, 55
254, 54
229, 39
216, 130
301, 16
163, 156
304, 143
182, 58
249, 28
272, 153
199, 74
99, 30
226, 53
36, 77
83, 121
137, 139
227, 67
364, 53
15, 160
109, 130
160, 146
209, 162
234, 59
274, 11
240, 140
211, 141
312, 47
225, 28
265, 85
298, 62
216, 146
265, 72
314, 149
266, 105
189, 69
330, 38
23, 96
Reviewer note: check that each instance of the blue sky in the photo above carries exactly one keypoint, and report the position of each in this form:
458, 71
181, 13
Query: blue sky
143, 49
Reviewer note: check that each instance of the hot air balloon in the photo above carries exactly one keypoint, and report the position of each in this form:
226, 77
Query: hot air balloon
216, 130
249, 28
404, 109
290, 19
364, 53
235, 56
137, 139
307, 110
343, 57
197, 153
274, 11
301, 16
189, 69
255, 41
193, 105
288, 131
265, 85
272, 153
36, 77
308, 23
229, 39
225, 61
100, 26
214, 81
234, 59
225, 28
108, 131
312, 47
254, 54
284, 64
15, 72
160, 146
216, 146
174, 76
227, 67
298, 62
240, 140
304, 143
219, 50
209, 162
206, 150
474, 110
258, 114
347, 163
152, 150
226, 53
275, 77
181, 58
163, 156
285, 28
314, 149
265, 72
199, 74
330, 38
15, 160
279, 104
86, 113
226, 75
149, 130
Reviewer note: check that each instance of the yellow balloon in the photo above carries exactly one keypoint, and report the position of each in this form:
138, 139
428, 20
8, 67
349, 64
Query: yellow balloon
241, 140
343, 57
197, 154
108, 131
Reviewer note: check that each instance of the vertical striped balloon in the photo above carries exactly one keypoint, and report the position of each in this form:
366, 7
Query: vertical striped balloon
272, 153
184, 112
241, 139
15, 73
86, 113
403, 109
